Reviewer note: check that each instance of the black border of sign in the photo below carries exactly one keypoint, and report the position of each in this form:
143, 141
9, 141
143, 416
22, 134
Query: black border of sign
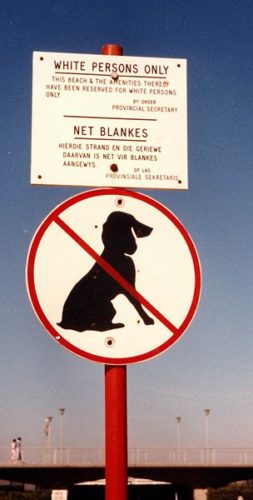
54, 217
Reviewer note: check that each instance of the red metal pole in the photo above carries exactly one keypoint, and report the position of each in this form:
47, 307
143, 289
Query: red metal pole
115, 408
112, 50
116, 432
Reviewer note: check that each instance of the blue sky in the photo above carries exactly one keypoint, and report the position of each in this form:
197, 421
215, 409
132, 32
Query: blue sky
211, 366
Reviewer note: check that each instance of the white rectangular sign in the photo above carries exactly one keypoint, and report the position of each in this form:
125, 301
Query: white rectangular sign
59, 494
114, 121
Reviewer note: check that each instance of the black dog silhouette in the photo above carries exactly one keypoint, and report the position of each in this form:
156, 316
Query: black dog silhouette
88, 305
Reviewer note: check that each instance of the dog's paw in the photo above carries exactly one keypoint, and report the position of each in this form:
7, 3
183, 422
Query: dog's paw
115, 325
148, 321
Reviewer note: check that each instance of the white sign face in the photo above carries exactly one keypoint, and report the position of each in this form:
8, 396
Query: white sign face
109, 121
113, 276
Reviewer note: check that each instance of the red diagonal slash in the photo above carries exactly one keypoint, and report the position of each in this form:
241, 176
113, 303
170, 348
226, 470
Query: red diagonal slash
115, 275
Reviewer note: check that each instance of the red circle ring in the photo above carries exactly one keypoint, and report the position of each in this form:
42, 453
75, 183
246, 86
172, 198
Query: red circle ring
35, 300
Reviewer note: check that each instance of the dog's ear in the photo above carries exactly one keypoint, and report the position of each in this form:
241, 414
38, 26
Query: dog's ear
140, 229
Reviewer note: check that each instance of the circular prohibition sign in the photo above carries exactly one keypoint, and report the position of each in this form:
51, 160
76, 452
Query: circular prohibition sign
113, 276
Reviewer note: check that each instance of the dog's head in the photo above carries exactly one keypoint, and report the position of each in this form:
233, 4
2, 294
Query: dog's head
118, 230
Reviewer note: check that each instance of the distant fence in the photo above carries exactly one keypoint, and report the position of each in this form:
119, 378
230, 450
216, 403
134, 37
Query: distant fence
191, 456
136, 456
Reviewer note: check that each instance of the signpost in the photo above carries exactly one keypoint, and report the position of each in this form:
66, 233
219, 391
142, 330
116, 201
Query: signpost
114, 277
122, 271
101, 120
